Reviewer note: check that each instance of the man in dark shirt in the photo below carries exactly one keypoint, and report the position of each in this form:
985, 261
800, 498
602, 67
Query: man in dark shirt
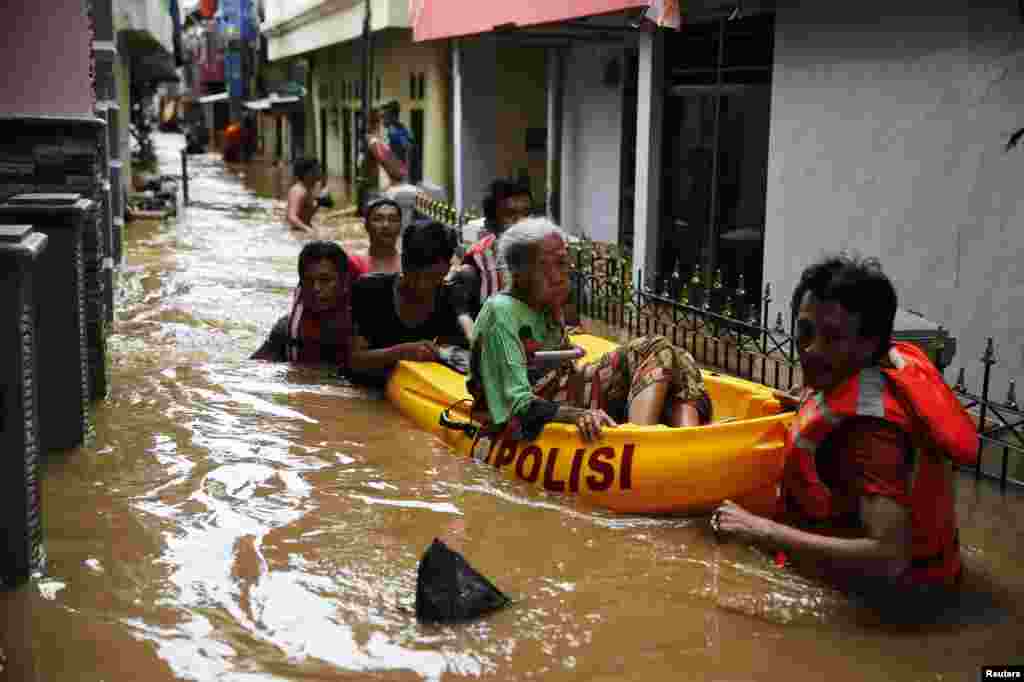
404, 316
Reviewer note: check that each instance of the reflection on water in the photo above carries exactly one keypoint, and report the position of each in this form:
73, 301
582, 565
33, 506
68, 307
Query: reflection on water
237, 520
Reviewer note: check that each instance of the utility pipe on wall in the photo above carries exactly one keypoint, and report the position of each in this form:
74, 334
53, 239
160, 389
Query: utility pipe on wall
457, 122
364, 185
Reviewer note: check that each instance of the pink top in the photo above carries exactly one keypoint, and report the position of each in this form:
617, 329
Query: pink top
359, 265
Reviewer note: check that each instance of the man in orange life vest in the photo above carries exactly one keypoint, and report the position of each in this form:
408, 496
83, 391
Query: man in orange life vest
870, 453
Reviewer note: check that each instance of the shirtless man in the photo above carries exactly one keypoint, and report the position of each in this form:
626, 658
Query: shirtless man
302, 197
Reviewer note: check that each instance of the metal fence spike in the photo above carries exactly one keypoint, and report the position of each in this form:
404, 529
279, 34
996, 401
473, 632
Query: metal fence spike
959, 386
989, 358
1011, 395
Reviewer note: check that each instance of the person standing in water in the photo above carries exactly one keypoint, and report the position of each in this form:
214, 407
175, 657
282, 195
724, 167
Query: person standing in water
867, 489
507, 203
399, 316
384, 169
318, 329
384, 227
302, 197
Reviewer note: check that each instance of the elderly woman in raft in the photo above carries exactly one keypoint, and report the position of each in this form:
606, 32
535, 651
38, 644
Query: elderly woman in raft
647, 381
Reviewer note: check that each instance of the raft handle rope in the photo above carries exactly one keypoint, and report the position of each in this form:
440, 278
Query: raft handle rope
468, 428
715, 524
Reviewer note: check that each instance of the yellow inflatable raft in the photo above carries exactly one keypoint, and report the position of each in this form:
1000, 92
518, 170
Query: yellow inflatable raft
633, 469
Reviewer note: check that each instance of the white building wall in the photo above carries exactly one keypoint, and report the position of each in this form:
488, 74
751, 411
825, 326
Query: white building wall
479, 143
649, 117
591, 144
305, 30
150, 16
887, 136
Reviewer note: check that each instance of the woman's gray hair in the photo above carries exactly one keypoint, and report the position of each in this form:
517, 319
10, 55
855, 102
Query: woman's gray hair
517, 244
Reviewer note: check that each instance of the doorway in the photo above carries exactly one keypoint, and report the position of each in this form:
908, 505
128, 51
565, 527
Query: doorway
346, 143
279, 138
323, 142
627, 170
297, 133
717, 110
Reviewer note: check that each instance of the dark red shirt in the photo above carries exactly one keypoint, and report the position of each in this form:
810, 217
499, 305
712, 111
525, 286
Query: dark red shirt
866, 456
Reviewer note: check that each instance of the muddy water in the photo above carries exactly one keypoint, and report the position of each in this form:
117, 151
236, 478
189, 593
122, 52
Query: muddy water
234, 520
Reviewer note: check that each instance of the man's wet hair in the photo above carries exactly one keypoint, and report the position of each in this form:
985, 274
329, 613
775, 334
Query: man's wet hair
427, 243
322, 250
502, 189
858, 285
304, 167
376, 202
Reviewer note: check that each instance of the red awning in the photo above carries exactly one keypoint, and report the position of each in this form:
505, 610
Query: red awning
433, 19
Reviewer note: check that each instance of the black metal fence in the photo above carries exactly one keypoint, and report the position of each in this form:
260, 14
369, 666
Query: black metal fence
728, 329
1000, 423
719, 325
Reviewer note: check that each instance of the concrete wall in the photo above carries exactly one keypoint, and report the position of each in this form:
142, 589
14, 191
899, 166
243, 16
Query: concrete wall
480, 103
887, 136
305, 31
504, 90
395, 58
591, 144
522, 105
46, 60
149, 16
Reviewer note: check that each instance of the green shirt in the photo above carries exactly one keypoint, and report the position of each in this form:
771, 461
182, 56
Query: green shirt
503, 370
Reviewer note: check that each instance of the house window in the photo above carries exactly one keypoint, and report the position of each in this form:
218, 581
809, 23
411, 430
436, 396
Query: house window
418, 131
417, 85
715, 147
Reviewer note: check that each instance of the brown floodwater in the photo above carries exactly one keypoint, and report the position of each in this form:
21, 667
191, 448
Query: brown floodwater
237, 520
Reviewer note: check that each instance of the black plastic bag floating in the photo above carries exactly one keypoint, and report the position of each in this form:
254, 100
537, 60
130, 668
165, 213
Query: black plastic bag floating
449, 590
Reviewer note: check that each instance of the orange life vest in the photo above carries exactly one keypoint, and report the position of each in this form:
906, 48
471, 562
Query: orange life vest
910, 393
484, 257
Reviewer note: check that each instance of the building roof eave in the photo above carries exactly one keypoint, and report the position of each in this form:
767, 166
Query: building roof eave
327, 24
